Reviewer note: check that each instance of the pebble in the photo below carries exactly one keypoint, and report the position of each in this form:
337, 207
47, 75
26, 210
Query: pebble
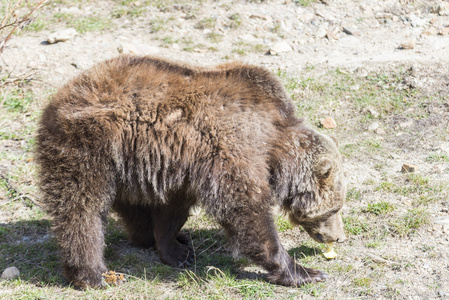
409, 168
380, 131
444, 31
373, 126
62, 35
10, 273
329, 123
445, 210
408, 45
442, 221
372, 111
281, 47
352, 31
443, 8
406, 124
137, 49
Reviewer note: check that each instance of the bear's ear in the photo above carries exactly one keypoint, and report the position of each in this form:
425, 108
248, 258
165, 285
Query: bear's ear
335, 140
324, 167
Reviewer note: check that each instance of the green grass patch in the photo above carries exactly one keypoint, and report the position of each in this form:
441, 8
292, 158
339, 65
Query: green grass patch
414, 219
355, 225
379, 208
282, 224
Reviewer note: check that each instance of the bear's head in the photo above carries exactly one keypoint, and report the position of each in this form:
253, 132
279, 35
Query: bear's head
317, 191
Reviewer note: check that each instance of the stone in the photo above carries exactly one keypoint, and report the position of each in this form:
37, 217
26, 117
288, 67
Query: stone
442, 221
281, 47
373, 126
128, 48
444, 31
328, 123
62, 35
445, 229
372, 111
10, 273
430, 31
333, 33
406, 124
380, 131
409, 168
408, 44
445, 210
443, 8
321, 32
352, 31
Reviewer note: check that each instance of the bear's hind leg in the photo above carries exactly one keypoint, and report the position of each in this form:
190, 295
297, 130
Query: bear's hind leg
138, 222
80, 235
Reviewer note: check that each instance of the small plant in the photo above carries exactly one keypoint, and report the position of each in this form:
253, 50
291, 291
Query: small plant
362, 281
353, 194
304, 2
282, 224
437, 157
379, 208
411, 221
16, 100
215, 37
157, 24
206, 23
236, 20
90, 23
355, 225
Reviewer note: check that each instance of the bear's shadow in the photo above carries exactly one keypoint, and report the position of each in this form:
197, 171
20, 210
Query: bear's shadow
30, 247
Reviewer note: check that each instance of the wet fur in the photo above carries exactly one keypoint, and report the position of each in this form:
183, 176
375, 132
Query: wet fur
150, 138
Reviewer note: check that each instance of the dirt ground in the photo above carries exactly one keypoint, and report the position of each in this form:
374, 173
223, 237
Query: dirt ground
371, 48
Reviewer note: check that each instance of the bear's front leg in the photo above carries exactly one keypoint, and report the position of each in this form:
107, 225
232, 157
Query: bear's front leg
254, 235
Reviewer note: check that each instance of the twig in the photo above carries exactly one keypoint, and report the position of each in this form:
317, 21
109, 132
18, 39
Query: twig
17, 23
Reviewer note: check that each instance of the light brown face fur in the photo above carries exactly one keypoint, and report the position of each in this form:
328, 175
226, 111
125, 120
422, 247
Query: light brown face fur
315, 202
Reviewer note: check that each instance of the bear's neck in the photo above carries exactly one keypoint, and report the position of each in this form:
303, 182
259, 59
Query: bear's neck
291, 164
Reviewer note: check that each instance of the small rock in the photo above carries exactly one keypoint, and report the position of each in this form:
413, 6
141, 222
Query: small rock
408, 45
409, 168
137, 49
374, 23
430, 31
444, 31
373, 126
332, 33
372, 111
281, 47
437, 227
307, 17
10, 273
352, 31
436, 169
442, 221
329, 123
321, 32
262, 17
443, 9
445, 210
361, 72
380, 131
62, 35
406, 124
445, 229
355, 87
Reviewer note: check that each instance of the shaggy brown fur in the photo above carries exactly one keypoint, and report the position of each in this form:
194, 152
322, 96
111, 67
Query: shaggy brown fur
150, 138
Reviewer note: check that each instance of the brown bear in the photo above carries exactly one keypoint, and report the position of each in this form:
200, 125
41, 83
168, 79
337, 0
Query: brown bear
150, 138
